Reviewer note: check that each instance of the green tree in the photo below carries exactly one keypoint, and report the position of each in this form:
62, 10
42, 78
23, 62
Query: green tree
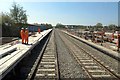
18, 14
6, 19
98, 26
59, 25
48, 26
6, 24
112, 26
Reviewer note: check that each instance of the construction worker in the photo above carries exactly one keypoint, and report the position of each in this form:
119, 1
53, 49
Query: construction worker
112, 36
26, 35
39, 30
22, 34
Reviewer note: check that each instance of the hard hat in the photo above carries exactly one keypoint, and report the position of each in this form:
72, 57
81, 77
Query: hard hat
22, 28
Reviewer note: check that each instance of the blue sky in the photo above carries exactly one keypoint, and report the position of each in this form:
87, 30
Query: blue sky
79, 13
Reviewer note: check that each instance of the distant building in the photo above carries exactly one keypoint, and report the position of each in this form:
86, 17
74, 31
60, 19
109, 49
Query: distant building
34, 28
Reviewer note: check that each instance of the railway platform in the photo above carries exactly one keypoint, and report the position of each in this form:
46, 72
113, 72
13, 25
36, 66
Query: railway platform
11, 55
107, 48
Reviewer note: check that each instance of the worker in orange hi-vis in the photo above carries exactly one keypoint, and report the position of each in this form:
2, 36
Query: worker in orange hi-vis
22, 34
39, 30
26, 35
112, 36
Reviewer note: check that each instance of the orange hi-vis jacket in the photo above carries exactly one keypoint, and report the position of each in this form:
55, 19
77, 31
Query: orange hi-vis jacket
22, 33
26, 33
39, 30
26, 36
112, 36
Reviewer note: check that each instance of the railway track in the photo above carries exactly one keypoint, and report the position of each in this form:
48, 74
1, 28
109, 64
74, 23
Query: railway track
47, 65
94, 68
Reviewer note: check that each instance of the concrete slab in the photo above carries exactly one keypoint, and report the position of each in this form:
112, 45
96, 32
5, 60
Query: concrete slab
7, 50
114, 47
8, 62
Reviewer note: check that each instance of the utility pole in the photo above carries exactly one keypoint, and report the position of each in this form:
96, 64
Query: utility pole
118, 42
102, 34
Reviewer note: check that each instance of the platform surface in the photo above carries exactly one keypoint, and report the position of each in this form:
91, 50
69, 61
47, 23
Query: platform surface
109, 51
9, 61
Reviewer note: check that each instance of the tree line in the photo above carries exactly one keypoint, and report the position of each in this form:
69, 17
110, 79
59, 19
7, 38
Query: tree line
13, 21
10, 20
97, 27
